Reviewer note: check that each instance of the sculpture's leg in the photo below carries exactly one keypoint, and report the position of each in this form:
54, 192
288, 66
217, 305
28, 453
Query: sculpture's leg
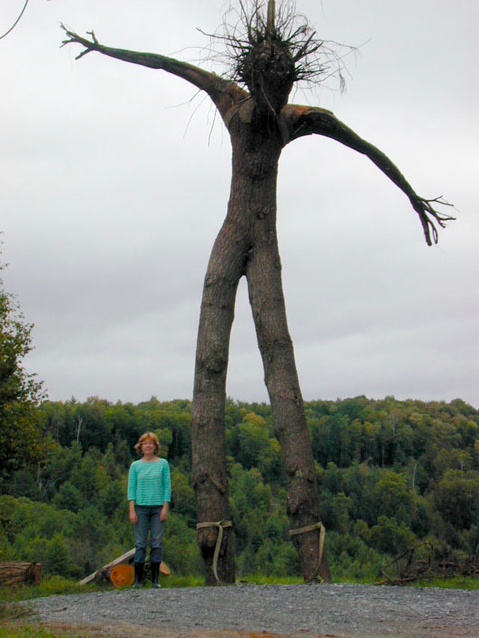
209, 473
269, 313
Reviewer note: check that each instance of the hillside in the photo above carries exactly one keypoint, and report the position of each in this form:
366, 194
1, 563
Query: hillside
391, 475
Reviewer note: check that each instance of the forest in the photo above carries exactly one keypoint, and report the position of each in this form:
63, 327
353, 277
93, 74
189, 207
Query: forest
391, 474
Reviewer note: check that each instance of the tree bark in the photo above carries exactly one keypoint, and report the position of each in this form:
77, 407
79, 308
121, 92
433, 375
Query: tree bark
17, 572
247, 244
303, 120
209, 473
281, 378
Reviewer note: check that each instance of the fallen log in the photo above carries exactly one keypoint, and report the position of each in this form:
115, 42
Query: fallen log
119, 577
20, 573
124, 558
122, 575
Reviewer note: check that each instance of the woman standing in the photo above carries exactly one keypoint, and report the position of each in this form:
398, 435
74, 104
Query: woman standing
149, 494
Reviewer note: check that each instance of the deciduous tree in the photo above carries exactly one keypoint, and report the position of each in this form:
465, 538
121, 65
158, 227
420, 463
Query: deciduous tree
21, 438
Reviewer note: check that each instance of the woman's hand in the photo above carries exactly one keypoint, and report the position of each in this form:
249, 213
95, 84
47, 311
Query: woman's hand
132, 513
164, 512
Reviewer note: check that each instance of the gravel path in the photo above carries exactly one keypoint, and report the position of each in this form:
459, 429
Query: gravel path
339, 610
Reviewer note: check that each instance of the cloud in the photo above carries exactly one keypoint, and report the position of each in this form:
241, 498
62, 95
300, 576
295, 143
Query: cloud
115, 183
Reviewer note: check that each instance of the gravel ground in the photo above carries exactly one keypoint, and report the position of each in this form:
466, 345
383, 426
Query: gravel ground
339, 610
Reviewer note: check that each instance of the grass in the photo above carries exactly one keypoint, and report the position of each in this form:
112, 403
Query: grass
452, 582
48, 587
182, 581
12, 611
259, 579
455, 582
22, 630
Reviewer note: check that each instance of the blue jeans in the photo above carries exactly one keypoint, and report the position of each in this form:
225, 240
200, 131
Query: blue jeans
148, 520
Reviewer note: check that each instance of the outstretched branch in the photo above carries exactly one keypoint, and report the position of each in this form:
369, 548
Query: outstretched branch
4, 35
302, 120
221, 91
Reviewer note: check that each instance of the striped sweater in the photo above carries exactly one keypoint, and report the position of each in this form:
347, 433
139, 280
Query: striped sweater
149, 482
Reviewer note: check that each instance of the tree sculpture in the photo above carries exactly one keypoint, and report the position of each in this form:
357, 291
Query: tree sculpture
271, 53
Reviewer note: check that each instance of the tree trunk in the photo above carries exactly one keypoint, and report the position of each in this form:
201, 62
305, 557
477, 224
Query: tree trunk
209, 474
269, 314
247, 244
17, 572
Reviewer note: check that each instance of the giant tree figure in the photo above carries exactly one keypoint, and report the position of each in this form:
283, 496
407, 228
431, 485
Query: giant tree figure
269, 57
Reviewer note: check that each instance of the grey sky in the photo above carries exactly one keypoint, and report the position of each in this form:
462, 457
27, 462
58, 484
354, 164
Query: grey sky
115, 183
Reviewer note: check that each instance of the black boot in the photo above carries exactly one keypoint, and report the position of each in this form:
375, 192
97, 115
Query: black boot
155, 570
139, 570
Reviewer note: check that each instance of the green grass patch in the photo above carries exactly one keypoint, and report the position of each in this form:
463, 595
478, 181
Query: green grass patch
258, 579
357, 580
11, 611
455, 582
182, 581
28, 630
48, 587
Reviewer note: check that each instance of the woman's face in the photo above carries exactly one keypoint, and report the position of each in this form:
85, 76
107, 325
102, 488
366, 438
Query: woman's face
148, 447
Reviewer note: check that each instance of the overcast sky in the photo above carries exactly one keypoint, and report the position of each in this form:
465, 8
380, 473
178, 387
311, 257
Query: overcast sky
115, 180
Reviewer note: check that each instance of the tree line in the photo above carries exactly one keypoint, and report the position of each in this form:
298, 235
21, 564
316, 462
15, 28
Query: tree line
391, 474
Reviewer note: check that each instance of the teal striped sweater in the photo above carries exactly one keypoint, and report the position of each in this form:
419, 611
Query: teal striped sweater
149, 482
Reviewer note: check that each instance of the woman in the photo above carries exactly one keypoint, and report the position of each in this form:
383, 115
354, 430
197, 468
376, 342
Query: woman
149, 494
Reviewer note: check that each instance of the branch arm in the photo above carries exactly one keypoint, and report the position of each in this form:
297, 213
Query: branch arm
303, 120
216, 87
